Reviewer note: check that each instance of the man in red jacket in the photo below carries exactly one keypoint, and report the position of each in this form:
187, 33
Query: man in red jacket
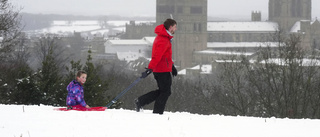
161, 65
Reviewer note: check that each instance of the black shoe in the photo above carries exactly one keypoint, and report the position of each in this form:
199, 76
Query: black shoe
138, 106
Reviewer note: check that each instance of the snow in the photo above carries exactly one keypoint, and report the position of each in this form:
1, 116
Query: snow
224, 52
205, 69
40, 121
128, 42
243, 26
129, 56
182, 72
241, 44
129, 49
114, 46
297, 26
149, 40
304, 62
92, 26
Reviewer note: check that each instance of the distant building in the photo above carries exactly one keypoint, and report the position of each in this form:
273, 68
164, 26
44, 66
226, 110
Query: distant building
310, 31
191, 16
256, 16
287, 12
198, 41
138, 31
241, 31
129, 49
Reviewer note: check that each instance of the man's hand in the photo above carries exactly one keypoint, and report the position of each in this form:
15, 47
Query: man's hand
146, 73
174, 71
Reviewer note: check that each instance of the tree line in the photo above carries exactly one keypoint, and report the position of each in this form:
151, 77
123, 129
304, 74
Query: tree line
45, 84
280, 82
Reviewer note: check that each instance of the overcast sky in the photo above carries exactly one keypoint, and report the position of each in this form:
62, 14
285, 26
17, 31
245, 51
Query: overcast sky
216, 8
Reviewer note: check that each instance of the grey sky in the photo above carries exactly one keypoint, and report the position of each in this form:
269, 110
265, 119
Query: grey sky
216, 8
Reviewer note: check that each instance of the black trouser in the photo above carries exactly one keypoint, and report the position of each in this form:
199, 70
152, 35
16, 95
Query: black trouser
161, 95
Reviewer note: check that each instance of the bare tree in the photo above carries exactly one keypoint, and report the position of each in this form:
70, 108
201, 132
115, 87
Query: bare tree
45, 45
103, 22
232, 93
9, 27
9, 33
286, 79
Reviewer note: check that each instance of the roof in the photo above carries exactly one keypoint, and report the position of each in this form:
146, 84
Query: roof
282, 62
241, 44
205, 69
126, 48
242, 26
224, 52
128, 42
129, 56
149, 39
297, 26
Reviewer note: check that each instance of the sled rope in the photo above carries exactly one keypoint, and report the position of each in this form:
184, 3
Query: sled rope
123, 92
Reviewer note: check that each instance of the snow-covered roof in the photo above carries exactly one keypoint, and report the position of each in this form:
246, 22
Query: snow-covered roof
75, 23
241, 44
224, 52
129, 56
242, 26
182, 72
93, 22
126, 48
128, 42
282, 62
129, 45
149, 39
227, 61
129, 50
205, 69
297, 26
92, 26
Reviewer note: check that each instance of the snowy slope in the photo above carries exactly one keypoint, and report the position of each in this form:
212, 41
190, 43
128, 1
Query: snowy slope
43, 121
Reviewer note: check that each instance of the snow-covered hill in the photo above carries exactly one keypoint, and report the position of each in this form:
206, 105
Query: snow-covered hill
43, 121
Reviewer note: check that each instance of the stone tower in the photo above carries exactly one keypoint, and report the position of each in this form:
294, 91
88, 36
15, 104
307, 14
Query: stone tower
191, 34
288, 12
256, 16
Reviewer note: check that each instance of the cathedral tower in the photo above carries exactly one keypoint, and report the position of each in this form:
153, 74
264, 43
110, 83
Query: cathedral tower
256, 16
191, 34
288, 12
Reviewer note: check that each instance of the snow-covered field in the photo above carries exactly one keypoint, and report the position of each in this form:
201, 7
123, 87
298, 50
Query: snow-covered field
43, 121
92, 26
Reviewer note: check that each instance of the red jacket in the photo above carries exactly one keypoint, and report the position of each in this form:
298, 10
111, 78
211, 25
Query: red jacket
161, 60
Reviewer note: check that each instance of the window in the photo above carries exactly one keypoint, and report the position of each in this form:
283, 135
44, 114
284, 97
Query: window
200, 27
180, 10
196, 10
197, 27
165, 9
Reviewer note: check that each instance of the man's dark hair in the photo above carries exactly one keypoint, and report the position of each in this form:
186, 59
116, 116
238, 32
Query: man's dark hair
168, 23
